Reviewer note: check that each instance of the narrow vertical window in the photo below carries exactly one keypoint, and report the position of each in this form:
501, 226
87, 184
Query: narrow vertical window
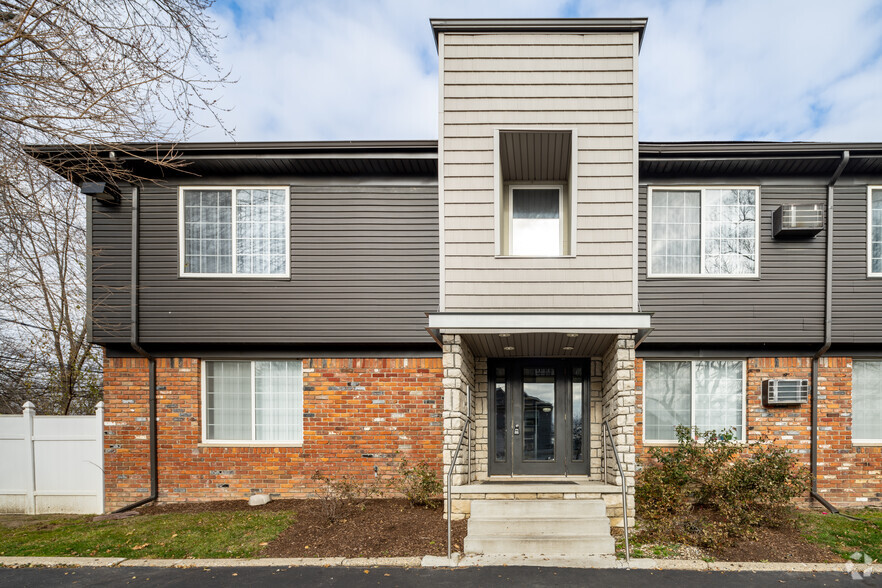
577, 412
500, 403
866, 401
875, 236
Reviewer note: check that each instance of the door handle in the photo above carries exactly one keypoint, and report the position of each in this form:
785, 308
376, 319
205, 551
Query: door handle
517, 429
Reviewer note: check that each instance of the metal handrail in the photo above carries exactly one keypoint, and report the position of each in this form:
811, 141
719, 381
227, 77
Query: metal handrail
466, 426
624, 486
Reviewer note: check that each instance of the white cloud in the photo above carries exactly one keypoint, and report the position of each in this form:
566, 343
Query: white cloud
709, 70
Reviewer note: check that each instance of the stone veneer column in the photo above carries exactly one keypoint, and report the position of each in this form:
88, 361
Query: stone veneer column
619, 408
459, 372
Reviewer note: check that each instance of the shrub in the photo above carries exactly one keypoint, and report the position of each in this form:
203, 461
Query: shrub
420, 484
710, 489
334, 495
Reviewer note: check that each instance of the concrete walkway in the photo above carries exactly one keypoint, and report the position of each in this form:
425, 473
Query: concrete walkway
471, 561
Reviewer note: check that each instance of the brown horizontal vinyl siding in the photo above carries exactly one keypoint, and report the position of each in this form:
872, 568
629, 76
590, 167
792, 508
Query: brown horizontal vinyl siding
364, 270
784, 305
857, 298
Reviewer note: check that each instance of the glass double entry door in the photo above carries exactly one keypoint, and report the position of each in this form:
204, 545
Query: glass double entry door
539, 422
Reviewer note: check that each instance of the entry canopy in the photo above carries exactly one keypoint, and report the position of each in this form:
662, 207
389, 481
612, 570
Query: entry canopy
539, 334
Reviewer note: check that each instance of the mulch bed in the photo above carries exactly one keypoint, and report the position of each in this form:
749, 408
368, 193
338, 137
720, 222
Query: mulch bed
375, 528
785, 544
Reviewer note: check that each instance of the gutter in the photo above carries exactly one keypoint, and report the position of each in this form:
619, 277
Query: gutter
134, 342
828, 332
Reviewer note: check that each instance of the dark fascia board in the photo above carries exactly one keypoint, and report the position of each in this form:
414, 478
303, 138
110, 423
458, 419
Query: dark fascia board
247, 150
754, 149
65, 159
539, 25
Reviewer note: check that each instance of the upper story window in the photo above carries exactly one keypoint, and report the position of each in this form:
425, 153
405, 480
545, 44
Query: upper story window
874, 222
234, 231
535, 193
703, 232
535, 215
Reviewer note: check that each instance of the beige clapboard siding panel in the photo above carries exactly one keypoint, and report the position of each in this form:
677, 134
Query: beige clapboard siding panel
477, 266
520, 39
520, 286
570, 51
468, 222
462, 278
538, 78
540, 65
542, 103
538, 117
452, 197
539, 91
597, 183
513, 303
565, 82
592, 131
454, 210
605, 169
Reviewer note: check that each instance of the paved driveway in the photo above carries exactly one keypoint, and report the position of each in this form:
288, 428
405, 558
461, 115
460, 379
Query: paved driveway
416, 577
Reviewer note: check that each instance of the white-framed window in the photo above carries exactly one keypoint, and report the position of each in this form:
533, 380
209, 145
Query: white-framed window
705, 394
866, 401
234, 231
703, 231
874, 230
252, 402
536, 217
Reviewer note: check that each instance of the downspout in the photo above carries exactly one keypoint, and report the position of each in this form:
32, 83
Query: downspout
828, 333
151, 361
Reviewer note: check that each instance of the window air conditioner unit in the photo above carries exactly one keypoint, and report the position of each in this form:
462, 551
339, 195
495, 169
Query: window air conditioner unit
797, 220
778, 392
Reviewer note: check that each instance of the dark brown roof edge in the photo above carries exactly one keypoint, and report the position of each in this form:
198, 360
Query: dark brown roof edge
539, 25
429, 149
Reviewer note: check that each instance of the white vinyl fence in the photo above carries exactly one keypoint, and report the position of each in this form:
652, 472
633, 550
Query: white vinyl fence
51, 464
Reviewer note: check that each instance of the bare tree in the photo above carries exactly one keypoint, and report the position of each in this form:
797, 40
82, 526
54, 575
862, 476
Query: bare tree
81, 78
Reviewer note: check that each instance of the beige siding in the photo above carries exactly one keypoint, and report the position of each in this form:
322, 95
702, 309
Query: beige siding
564, 81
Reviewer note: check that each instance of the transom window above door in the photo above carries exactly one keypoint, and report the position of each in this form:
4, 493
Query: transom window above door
703, 232
235, 232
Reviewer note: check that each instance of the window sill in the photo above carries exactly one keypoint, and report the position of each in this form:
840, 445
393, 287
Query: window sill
535, 257
862, 443
703, 277
222, 444
234, 276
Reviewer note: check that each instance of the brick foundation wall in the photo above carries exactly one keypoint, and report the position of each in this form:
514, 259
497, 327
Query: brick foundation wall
848, 475
358, 413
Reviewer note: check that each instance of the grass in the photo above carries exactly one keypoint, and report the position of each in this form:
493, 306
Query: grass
843, 535
202, 535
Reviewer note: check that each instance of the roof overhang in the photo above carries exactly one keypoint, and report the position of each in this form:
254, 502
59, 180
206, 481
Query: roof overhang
538, 25
596, 322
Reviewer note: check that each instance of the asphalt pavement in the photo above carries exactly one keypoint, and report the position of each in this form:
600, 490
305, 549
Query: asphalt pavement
351, 577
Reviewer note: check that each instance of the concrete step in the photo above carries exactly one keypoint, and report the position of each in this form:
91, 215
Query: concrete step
520, 509
540, 545
545, 526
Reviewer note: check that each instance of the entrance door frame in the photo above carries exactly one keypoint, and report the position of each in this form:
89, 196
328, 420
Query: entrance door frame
511, 463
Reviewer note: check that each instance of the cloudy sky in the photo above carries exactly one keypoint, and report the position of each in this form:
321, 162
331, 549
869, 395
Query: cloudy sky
784, 70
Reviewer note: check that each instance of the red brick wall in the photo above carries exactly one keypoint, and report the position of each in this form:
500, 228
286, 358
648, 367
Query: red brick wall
384, 409
848, 475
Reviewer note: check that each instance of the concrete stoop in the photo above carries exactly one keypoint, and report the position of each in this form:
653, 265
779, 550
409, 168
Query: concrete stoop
539, 527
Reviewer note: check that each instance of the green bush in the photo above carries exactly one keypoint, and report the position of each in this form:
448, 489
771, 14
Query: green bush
420, 484
710, 489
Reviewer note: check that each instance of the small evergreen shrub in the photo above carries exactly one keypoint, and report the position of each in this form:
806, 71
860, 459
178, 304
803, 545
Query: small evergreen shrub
420, 484
710, 489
